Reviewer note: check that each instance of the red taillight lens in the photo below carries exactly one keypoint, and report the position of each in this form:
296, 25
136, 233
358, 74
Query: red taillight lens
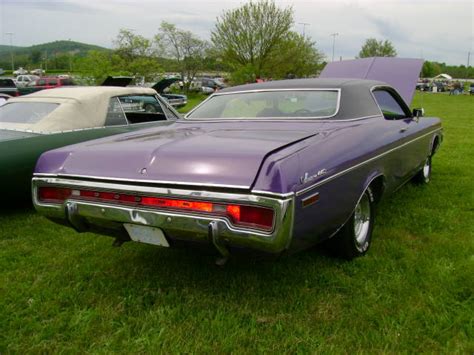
239, 215
177, 204
53, 194
251, 216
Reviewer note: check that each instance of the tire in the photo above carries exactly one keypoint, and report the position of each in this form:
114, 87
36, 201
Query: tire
423, 177
354, 238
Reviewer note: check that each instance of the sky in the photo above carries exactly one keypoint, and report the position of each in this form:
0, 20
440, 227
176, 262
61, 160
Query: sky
435, 30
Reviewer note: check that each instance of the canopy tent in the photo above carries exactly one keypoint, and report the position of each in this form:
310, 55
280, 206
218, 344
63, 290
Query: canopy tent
443, 77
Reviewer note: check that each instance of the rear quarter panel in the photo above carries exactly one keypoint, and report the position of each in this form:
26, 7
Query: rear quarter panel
351, 155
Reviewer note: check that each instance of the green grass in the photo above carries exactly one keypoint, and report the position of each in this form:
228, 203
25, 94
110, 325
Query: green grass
413, 292
193, 100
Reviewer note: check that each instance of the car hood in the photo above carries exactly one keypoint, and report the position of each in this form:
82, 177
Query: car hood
183, 153
6, 135
163, 84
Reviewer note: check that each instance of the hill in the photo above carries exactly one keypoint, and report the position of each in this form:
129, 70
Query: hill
33, 55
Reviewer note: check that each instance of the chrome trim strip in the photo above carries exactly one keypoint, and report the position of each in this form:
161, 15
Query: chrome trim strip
162, 191
238, 187
343, 172
338, 105
273, 194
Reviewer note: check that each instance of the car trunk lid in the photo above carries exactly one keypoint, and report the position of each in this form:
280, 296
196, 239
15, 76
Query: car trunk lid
188, 154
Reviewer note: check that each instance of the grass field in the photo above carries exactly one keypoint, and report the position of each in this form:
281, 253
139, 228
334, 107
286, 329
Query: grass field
413, 292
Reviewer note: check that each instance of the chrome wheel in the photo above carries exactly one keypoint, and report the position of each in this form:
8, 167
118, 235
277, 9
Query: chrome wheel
362, 220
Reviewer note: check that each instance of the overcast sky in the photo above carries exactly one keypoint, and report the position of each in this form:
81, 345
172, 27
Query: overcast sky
432, 29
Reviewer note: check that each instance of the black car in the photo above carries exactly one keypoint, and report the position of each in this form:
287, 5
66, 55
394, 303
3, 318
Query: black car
8, 86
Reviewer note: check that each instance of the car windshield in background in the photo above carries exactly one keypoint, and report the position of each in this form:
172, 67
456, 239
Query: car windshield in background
269, 104
25, 112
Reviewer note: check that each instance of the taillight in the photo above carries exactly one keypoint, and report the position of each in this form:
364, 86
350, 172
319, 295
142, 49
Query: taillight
239, 215
251, 216
53, 194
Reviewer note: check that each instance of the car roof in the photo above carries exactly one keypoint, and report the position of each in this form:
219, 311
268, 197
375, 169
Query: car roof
78, 107
84, 93
313, 83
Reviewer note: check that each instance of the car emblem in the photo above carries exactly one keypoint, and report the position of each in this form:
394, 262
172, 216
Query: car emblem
307, 178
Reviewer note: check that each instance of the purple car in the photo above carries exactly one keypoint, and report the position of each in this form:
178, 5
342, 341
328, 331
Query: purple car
271, 167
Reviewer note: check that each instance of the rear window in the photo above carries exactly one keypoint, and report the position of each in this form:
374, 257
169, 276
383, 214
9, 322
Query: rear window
7, 83
284, 104
25, 112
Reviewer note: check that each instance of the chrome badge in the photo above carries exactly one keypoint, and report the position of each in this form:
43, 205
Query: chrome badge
308, 178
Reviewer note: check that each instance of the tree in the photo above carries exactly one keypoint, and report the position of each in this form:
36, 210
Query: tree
257, 41
138, 55
185, 48
374, 48
99, 65
35, 56
295, 55
430, 69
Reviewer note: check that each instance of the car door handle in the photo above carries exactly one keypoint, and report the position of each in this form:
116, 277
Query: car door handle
404, 129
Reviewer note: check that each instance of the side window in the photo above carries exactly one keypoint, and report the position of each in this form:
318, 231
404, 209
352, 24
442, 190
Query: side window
41, 82
389, 106
142, 108
115, 115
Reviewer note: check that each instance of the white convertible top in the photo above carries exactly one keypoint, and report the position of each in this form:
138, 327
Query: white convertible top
79, 107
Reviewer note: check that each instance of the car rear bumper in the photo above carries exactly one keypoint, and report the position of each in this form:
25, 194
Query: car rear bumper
109, 218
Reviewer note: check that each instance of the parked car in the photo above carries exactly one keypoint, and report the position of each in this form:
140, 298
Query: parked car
175, 100
24, 80
30, 125
39, 72
8, 86
213, 83
272, 167
4, 98
46, 83
20, 71
471, 89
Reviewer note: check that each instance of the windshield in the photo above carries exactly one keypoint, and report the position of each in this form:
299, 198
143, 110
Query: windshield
269, 104
25, 112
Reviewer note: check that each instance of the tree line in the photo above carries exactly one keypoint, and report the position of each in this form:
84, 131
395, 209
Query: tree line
253, 41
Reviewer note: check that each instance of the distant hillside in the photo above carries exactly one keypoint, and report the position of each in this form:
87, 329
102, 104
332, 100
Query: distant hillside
36, 53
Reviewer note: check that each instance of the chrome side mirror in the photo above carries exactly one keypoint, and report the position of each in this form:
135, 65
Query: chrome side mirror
418, 112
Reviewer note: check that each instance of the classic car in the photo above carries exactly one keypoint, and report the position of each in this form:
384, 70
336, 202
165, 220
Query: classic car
23, 80
20, 71
46, 83
33, 124
175, 100
8, 86
273, 167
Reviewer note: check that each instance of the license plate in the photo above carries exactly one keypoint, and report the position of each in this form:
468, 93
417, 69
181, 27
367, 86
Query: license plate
147, 235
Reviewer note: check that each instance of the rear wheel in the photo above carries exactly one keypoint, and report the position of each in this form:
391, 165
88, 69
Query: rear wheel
354, 238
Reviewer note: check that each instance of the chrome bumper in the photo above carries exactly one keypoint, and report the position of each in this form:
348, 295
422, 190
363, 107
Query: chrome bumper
109, 218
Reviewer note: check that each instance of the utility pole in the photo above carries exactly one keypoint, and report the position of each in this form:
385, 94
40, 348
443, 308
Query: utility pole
11, 49
333, 43
304, 27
